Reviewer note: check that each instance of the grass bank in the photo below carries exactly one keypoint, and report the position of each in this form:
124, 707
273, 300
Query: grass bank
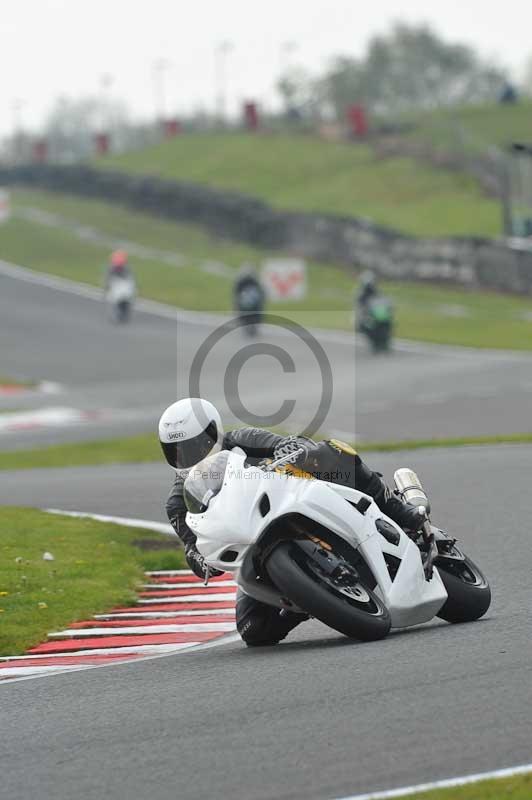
310, 174
423, 312
95, 567
145, 448
473, 129
518, 787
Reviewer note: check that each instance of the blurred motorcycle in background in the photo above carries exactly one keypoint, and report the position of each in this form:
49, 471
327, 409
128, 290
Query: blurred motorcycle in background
120, 296
249, 299
376, 323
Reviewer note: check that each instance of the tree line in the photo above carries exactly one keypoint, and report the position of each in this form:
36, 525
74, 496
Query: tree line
409, 68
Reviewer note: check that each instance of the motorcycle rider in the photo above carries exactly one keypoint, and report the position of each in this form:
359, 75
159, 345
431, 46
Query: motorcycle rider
118, 268
248, 292
191, 429
367, 291
368, 288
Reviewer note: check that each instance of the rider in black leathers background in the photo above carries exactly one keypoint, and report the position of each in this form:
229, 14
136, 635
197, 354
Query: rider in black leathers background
331, 460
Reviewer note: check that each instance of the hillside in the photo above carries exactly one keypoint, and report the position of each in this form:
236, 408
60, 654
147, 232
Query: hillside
475, 128
306, 173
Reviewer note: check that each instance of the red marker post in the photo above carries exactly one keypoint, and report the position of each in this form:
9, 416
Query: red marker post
251, 115
102, 143
358, 121
40, 151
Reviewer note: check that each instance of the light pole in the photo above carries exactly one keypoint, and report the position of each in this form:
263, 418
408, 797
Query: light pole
160, 67
221, 54
286, 51
17, 104
106, 82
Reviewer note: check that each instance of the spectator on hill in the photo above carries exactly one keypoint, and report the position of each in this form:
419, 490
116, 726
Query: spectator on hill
509, 95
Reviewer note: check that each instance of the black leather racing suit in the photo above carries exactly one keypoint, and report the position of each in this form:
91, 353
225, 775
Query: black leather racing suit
329, 460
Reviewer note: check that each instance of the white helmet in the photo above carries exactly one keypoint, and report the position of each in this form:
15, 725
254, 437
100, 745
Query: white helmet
190, 430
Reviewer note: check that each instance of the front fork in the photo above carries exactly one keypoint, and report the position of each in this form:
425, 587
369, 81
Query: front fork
430, 548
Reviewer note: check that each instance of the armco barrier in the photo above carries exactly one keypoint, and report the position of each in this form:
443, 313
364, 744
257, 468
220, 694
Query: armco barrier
466, 261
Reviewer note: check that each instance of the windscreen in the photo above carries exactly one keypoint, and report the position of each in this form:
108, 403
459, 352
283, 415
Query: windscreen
204, 481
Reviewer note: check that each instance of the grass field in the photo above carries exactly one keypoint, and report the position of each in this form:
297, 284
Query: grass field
423, 312
310, 174
475, 128
518, 787
145, 448
95, 567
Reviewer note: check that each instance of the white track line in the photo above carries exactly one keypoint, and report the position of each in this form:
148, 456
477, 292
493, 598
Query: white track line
163, 614
50, 417
207, 627
14, 672
188, 598
169, 572
230, 638
444, 784
164, 586
149, 525
116, 651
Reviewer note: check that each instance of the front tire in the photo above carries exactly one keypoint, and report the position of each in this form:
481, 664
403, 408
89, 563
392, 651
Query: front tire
469, 593
354, 610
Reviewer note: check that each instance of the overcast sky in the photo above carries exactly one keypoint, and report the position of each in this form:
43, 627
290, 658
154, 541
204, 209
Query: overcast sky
63, 47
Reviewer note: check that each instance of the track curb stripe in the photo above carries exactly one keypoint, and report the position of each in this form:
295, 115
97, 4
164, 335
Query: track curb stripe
185, 615
447, 783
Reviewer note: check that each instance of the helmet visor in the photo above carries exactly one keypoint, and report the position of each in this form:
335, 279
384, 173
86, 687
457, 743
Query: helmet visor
204, 482
184, 454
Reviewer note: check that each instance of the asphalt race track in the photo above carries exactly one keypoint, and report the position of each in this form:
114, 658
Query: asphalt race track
124, 377
317, 716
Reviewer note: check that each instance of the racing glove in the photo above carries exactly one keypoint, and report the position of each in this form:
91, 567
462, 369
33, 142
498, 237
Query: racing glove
197, 564
294, 448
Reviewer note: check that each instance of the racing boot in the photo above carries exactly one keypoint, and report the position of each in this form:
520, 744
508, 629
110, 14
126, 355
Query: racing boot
260, 625
404, 514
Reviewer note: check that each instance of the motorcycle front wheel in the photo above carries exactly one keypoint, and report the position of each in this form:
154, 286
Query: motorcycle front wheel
344, 604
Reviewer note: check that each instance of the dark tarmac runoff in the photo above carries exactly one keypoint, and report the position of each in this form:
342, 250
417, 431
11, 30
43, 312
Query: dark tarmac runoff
125, 376
317, 716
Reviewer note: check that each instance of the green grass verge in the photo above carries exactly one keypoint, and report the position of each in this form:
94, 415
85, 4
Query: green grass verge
6, 380
126, 450
518, 787
310, 174
145, 448
95, 567
423, 312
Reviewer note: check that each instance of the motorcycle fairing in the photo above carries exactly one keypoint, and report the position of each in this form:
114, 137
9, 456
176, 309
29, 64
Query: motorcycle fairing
225, 542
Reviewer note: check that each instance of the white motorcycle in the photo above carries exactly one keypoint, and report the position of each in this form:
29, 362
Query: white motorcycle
310, 546
120, 296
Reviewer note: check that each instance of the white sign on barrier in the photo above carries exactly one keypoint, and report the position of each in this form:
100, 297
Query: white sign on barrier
5, 205
284, 278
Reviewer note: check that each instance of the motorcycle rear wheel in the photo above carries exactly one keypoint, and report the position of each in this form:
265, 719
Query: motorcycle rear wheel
469, 593
354, 610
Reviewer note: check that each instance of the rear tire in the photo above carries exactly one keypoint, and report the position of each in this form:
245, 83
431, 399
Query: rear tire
469, 592
292, 570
